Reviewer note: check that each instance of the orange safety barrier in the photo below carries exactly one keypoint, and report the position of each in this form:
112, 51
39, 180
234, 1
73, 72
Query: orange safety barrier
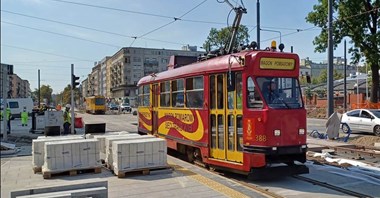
78, 122
366, 105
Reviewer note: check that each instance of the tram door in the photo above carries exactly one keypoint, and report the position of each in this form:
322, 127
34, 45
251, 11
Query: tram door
155, 94
226, 117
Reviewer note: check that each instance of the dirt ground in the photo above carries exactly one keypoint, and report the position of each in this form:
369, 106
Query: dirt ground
364, 140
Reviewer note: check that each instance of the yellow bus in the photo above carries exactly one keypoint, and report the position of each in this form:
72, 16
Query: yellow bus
96, 105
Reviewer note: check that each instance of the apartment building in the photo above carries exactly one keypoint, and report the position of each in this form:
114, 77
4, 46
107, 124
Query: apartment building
5, 70
94, 84
16, 86
130, 64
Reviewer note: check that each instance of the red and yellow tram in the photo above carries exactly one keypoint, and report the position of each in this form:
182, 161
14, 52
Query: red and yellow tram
241, 112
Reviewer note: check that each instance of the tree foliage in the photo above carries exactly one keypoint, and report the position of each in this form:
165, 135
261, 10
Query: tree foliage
65, 96
46, 92
357, 19
323, 76
220, 38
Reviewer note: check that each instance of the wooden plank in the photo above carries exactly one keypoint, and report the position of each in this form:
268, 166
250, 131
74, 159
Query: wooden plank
37, 169
72, 172
140, 171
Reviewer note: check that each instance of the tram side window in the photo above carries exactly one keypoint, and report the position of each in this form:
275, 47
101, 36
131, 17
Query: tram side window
253, 96
165, 94
177, 93
194, 92
212, 92
146, 96
140, 96
220, 92
239, 91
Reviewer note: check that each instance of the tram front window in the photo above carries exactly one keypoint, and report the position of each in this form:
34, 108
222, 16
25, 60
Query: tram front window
280, 93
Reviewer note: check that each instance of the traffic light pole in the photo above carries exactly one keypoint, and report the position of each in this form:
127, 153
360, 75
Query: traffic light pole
72, 99
5, 96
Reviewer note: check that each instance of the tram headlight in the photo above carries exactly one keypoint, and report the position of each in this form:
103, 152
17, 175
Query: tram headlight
301, 131
277, 132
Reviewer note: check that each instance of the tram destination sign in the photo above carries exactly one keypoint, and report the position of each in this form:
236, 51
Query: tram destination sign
277, 63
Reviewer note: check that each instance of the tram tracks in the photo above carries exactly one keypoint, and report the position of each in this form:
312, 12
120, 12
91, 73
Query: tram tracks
268, 191
332, 187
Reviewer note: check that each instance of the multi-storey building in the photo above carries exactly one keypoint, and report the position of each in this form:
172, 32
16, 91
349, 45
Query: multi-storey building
16, 87
103, 77
84, 88
5, 70
317, 68
93, 81
129, 64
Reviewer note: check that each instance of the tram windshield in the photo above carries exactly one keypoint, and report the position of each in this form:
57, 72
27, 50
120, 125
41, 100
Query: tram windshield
280, 93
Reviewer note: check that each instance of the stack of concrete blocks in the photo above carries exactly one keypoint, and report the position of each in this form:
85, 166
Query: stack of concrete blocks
91, 136
71, 155
130, 155
38, 148
102, 138
110, 140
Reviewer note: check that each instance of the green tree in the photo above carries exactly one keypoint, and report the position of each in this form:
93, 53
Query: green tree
65, 95
358, 20
323, 76
46, 92
220, 38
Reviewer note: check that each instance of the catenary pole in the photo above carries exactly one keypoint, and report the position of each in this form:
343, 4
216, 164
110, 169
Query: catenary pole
5, 96
345, 76
258, 24
330, 69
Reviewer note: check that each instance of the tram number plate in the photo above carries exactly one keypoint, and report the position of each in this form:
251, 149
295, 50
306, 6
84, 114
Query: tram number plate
260, 138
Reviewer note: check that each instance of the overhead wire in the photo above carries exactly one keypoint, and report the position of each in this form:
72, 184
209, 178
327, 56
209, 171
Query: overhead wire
88, 28
60, 34
174, 20
47, 53
134, 12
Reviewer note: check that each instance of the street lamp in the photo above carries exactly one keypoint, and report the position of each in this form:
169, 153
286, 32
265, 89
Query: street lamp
272, 31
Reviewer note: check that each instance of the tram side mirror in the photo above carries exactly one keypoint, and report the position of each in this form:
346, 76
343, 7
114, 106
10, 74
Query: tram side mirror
230, 81
308, 79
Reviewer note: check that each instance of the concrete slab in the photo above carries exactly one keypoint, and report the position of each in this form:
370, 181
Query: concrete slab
17, 174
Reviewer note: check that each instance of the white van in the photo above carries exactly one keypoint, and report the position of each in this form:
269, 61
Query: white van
17, 106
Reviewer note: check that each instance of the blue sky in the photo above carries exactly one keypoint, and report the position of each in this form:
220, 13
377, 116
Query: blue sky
20, 45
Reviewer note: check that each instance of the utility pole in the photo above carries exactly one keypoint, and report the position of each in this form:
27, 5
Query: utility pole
39, 91
72, 100
330, 66
345, 76
258, 24
5, 83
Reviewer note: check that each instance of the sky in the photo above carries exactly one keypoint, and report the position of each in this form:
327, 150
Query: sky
50, 35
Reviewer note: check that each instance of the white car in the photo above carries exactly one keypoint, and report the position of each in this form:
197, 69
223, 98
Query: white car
365, 120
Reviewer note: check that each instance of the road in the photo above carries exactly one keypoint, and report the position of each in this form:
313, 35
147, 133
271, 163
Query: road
114, 122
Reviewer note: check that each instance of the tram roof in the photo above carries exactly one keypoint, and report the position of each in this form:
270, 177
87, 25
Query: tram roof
213, 65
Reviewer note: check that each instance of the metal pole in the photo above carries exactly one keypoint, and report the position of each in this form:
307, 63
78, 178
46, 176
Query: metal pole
345, 80
330, 69
5, 96
39, 91
366, 82
72, 100
291, 49
258, 24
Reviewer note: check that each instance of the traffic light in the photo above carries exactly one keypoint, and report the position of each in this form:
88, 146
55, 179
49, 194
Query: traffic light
74, 82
